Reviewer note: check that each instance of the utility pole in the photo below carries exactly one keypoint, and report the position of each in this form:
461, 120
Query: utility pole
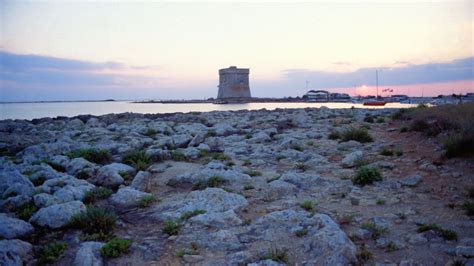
307, 82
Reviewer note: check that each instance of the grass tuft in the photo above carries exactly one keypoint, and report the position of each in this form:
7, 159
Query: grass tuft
366, 176
51, 252
94, 155
357, 134
137, 159
115, 247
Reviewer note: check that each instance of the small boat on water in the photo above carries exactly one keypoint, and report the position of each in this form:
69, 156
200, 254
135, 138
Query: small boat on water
374, 103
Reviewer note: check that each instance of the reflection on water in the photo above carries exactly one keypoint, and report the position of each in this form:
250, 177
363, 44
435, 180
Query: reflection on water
38, 110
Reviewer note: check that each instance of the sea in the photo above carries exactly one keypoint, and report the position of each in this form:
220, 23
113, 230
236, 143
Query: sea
32, 110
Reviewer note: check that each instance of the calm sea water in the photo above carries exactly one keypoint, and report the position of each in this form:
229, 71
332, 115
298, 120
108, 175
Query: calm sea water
53, 109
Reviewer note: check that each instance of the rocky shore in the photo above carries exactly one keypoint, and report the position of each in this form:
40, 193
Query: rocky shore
284, 187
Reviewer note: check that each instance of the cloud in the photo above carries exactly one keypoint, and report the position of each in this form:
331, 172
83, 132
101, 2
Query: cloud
36, 77
461, 69
16, 62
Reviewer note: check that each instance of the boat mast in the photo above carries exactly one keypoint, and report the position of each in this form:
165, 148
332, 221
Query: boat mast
377, 82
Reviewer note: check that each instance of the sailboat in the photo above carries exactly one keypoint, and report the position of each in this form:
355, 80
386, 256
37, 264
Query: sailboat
375, 102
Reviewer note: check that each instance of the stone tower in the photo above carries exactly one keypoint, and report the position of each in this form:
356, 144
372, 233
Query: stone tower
233, 83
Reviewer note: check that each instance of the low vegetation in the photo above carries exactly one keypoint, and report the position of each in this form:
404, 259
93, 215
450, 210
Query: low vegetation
170, 227
253, 173
364, 255
138, 159
178, 156
334, 135
357, 134
189, 214
468, 207
307, 205
454, 122
375, 230
26, 210
192, 250
444, 233
301, 232
51, 252
96, 221
146, 201
366, 175
278, 255
96, 194
99, 156
115, 247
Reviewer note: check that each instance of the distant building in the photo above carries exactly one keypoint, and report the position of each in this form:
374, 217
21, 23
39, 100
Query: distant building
399, 98
316, 96
339, 97
234, 83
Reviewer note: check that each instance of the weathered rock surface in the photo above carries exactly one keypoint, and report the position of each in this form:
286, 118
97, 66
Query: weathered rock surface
127, 197
15, 252
89, 254
57, 215
14, 228
211, 200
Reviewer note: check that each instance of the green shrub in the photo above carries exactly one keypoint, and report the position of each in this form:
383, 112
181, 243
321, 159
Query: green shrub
185, 216
386, 152
26, 210
115, 247
253, 173
403, 129
297, 147
301, 232
55, 166
461, 145
273, 179
97, 193
38, 181
171, 228
221, 156
380, 119
301, 166
470, 192
150, 132
178, 156
138, 159
373, 229
95, 220
92, 155
334, 135
214, 181
468, 208
357, 134
446, 234
307, 205
364, 255
359, 162
369, 119
125, 175
51, 252
278, 255
248, 187
380, 202
247, 163
146, 201
399, 153
203, 153
366, 175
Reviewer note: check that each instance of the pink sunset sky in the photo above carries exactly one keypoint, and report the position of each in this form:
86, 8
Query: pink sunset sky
54, 50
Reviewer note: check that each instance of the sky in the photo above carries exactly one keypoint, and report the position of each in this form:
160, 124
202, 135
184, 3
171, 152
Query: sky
64, 50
